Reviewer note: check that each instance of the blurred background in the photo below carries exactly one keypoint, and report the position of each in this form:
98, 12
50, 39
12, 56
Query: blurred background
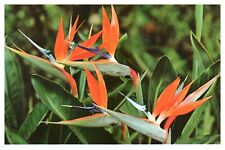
151, 31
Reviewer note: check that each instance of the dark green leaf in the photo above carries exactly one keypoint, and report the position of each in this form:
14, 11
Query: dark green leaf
82, 84
14, 91
204, 139
162, 75
13, 137
53, 95
33, 120
116, 132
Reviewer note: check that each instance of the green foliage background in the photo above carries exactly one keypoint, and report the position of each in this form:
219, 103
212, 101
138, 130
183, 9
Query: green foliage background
152, 32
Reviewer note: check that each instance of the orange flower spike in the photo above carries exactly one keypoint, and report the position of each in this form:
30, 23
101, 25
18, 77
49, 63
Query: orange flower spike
114, 32
178, 98
93, 87
166, 96
105, 29
196, 94
79, 53
186, 108
73, 31
169, 121
97, 88
60, 50
110, 35
102, 87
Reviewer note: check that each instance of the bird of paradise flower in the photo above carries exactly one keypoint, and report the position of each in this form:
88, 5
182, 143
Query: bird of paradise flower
62, 45
171, 103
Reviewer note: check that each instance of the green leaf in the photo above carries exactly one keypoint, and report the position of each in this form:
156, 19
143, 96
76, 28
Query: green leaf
82, 84
54, 96
145, 60
13, 137
144, 127
194, 119
127, 107
33, 120
162, 75
205, 139
10, 114
96, 120
116, 132
199, 20
14, 91
206, 127
201, 58
40, 63
109, 68
122, 39
139, 93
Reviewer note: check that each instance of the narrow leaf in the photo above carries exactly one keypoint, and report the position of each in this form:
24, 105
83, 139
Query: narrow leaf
33, 120
162, 75
194, 120
82, 85
13, 137
14, 91
199, 20
54, 96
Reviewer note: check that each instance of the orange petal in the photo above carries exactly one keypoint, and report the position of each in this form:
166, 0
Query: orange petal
73, 31
196, 94
105, 28
178, 98
186, 108
110, 35
60, 48
114, 32
79, 53
94, 88
165, 97
102, 87
70, 80
168, 123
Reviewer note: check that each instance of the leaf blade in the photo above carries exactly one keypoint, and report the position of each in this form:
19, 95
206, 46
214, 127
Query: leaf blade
32, 120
